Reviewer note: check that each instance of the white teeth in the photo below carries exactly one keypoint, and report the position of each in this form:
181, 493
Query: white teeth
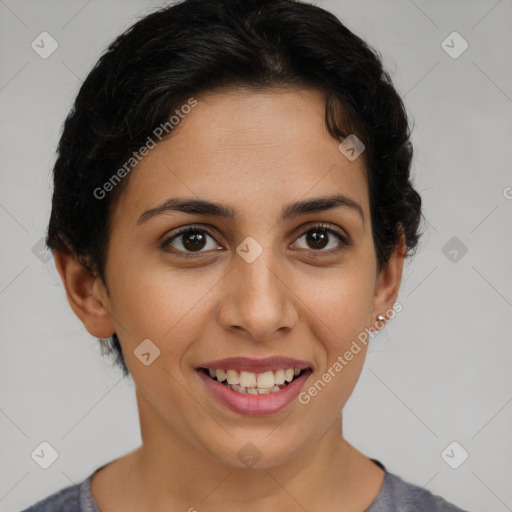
248, 379
240, 389
233, 377
255, 383
266, 380
279, 377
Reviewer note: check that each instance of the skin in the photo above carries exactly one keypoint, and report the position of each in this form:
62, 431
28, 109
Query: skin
255, 152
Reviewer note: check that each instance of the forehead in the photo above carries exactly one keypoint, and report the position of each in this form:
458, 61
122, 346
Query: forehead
249, 148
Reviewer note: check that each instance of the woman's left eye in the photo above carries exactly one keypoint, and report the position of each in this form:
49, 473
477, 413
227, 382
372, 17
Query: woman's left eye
194, 239
318, 237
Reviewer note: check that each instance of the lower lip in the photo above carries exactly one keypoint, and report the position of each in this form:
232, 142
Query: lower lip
254, 405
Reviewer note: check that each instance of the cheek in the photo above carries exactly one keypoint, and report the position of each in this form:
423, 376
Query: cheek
342, 310
341, 301
158, 302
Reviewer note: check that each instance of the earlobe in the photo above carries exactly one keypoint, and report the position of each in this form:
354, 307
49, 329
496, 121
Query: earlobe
86, 295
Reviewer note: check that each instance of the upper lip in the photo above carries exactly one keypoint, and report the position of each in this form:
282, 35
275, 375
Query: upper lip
256, 365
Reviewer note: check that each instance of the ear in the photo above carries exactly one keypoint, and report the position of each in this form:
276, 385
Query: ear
388, 282
86, 294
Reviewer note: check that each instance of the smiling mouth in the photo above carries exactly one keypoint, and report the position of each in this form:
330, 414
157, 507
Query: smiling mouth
255, 383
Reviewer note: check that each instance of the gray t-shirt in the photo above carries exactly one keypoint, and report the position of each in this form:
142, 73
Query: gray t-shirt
395, 495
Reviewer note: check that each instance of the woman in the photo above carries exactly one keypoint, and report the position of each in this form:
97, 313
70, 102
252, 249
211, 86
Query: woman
231, 213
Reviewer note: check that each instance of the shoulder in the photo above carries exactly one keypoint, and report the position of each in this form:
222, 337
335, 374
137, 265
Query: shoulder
63, 500
75, 498
411, 498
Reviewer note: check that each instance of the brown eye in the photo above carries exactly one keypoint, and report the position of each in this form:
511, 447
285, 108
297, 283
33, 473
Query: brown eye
193, 241
189, 240
318, 238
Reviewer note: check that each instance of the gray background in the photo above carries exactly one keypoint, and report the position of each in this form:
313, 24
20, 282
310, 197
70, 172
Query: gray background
439, 372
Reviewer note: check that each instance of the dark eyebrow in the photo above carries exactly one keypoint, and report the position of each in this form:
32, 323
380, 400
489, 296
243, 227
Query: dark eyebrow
320, 204
202, 207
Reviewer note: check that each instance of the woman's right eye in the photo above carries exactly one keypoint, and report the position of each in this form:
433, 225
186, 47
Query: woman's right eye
189, 241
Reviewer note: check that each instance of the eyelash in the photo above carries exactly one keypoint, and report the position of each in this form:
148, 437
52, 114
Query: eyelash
345, 242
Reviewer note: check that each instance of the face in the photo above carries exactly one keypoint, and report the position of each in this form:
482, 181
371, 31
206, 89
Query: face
265, 281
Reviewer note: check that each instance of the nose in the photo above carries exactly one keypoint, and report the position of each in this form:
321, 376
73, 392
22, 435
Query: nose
259, 299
